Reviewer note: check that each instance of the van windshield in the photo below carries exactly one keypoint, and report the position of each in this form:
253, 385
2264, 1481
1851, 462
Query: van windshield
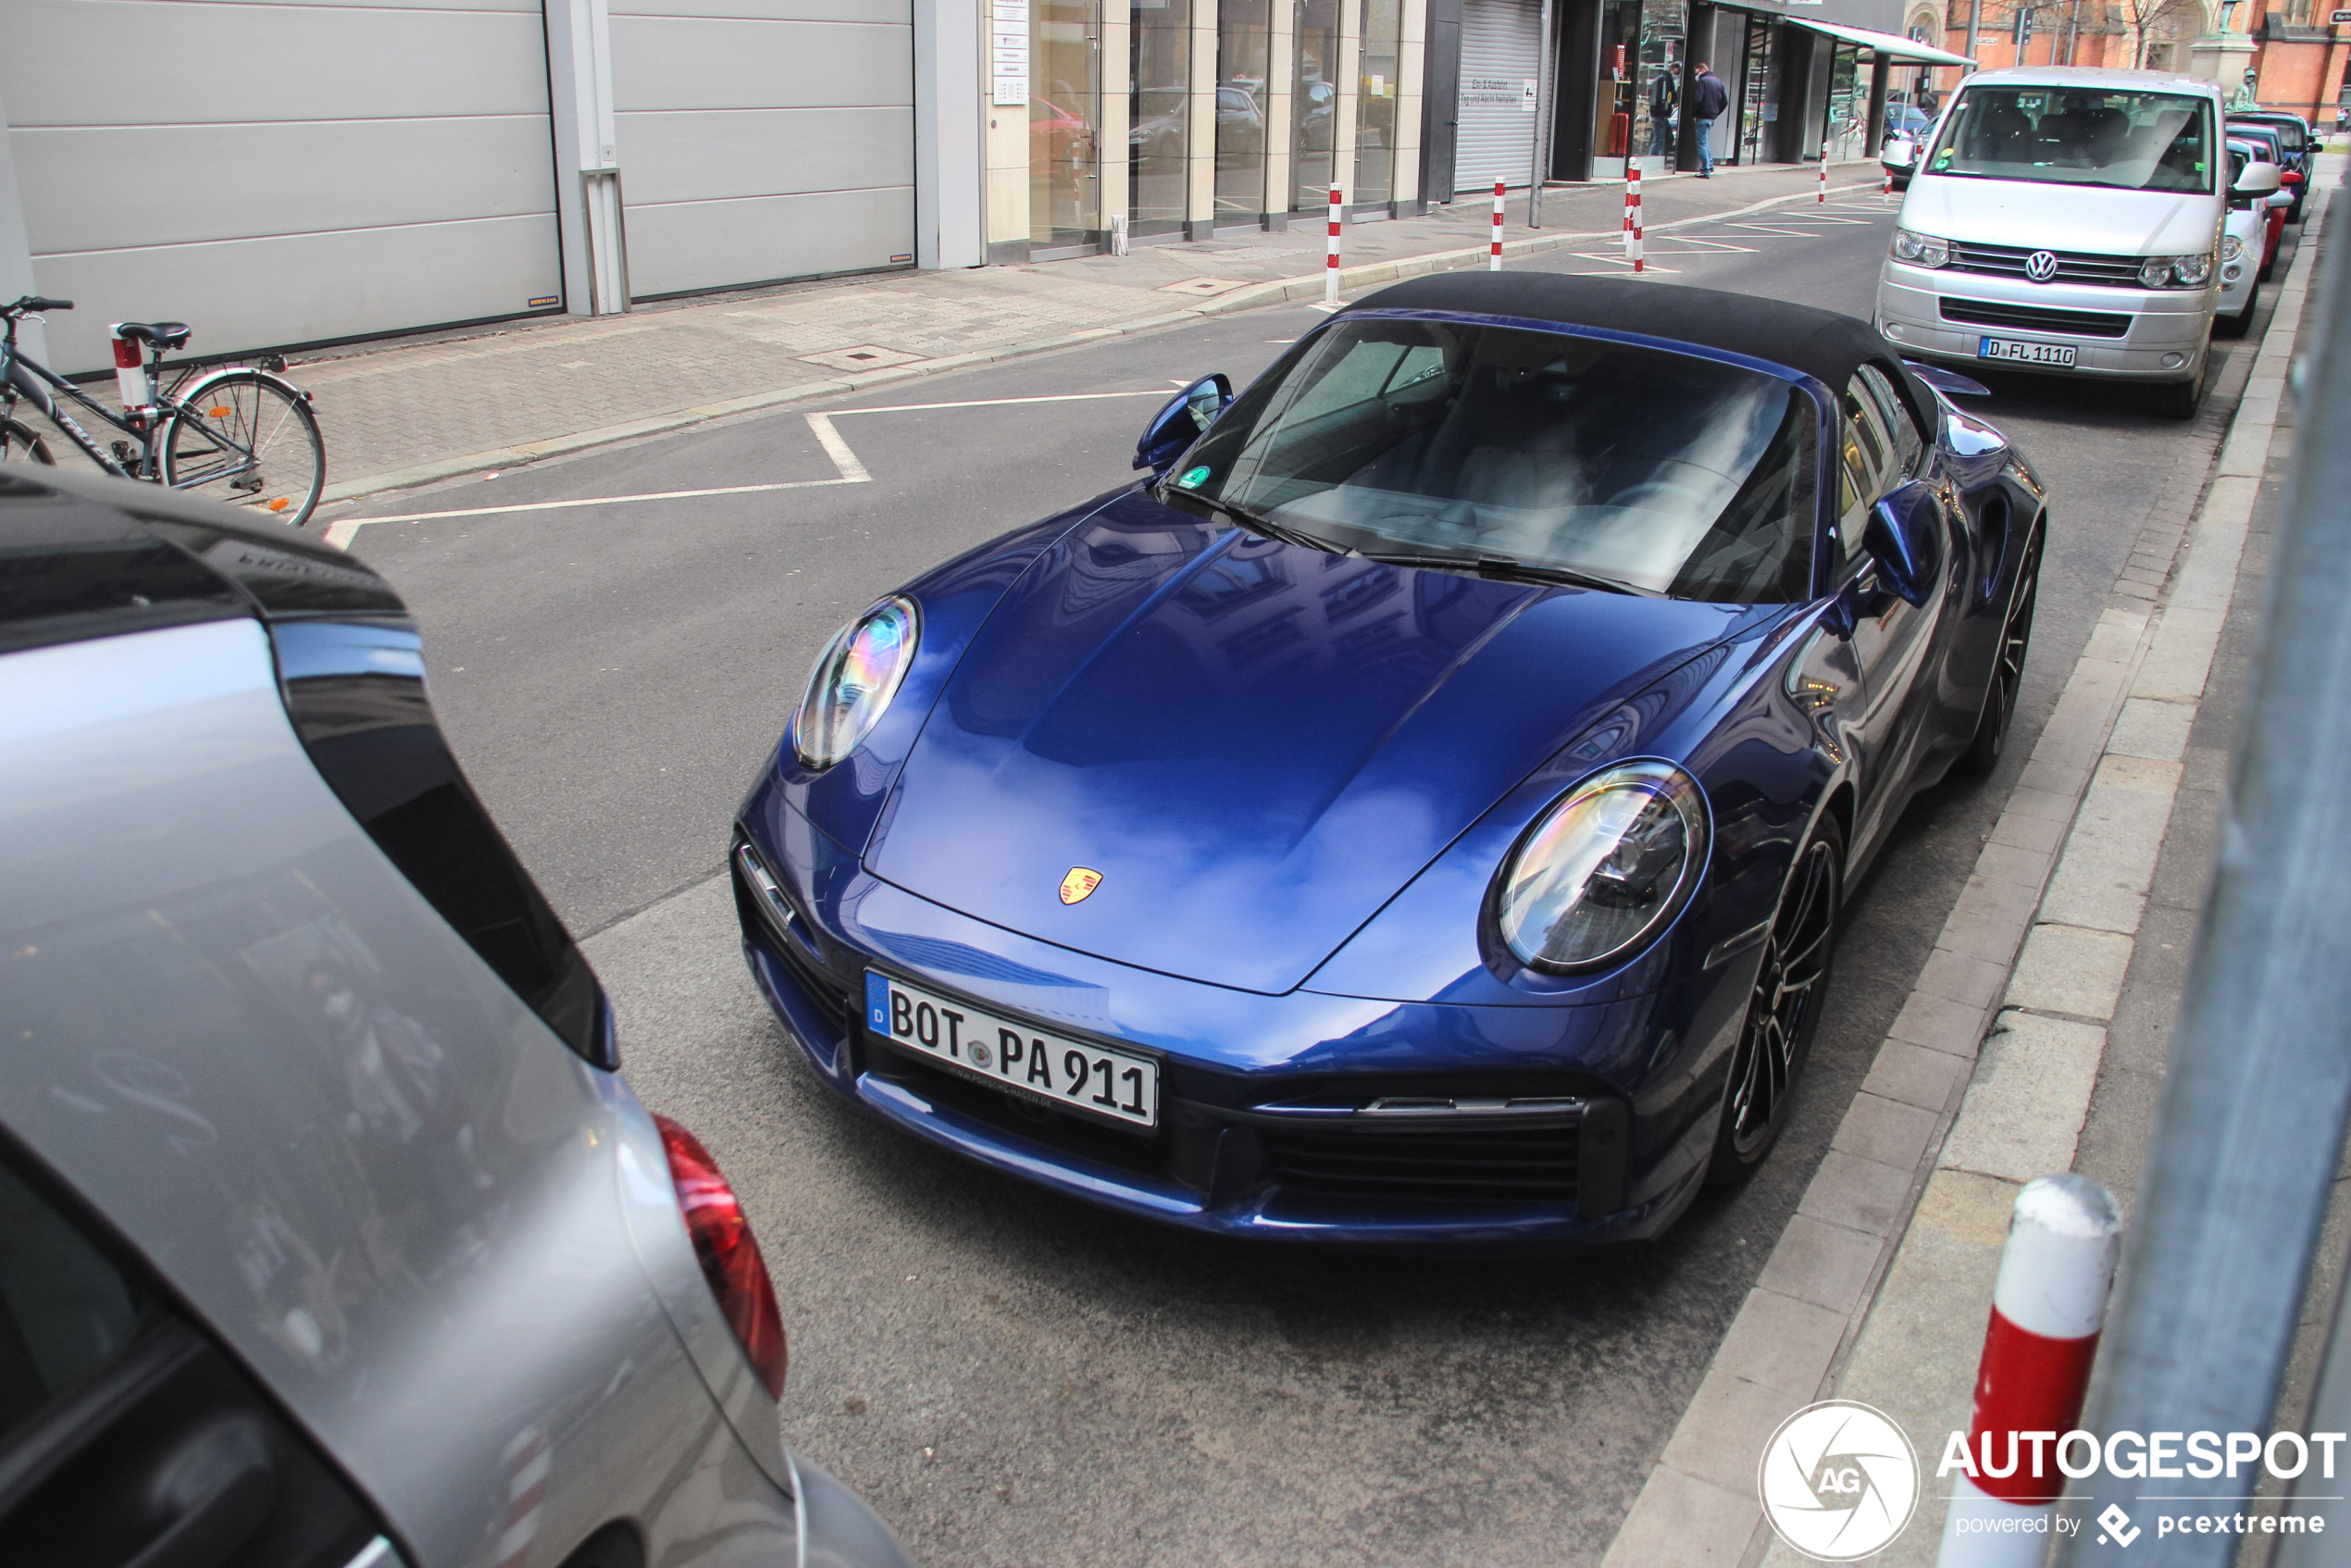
2078, 136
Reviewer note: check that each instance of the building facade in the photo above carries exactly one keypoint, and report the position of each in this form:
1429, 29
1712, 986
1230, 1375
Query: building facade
415, 165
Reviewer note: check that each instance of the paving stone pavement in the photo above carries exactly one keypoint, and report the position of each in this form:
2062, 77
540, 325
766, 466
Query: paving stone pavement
394, 406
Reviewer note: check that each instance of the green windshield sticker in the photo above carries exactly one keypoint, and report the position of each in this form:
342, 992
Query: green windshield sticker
1943, 157
1192, 477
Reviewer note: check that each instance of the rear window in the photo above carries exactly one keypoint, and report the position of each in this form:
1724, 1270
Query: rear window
2075, 136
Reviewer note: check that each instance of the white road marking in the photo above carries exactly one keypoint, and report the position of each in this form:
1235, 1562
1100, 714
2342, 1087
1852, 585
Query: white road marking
851, 470
343, 530
1615, 261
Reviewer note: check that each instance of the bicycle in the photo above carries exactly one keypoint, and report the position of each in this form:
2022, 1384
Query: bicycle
244, 427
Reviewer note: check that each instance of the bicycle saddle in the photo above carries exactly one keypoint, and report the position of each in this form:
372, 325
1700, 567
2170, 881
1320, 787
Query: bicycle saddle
163, 334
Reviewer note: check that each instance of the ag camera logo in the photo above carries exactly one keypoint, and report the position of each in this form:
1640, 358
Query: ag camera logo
1838, 1480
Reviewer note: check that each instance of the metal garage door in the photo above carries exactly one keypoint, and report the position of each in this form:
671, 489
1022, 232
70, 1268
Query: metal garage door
776, 140
1501, 45
277, 174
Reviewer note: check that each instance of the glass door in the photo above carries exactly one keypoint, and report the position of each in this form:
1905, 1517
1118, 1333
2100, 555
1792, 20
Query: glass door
1313, 103
1759, 107
1376, 104
1158, 118
1065, 115
1244, 46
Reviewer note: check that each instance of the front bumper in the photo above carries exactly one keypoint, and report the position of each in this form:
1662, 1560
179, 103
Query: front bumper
2166, 337
1286, 1152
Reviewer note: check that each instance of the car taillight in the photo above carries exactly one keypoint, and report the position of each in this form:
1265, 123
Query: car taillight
728, 1251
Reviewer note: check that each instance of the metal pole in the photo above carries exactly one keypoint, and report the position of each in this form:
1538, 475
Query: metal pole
1974, 8
2251, 1123
1544, 86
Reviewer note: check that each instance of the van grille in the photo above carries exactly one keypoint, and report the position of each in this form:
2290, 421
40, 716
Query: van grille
2074, 267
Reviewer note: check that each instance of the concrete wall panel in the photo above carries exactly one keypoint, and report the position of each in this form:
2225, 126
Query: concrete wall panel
236, 294
245, 182
689, 246
692, 156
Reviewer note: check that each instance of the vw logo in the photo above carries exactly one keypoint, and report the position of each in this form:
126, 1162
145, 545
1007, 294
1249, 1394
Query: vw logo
2041, 266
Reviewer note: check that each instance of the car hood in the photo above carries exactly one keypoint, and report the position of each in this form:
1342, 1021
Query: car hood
1253, 746
2061, 218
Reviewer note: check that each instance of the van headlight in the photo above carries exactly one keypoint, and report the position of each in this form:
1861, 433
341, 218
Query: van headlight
855, 677
1921, 250
2176, 271
1605, 869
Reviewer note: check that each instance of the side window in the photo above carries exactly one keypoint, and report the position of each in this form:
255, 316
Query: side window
126, 1435
1862, 472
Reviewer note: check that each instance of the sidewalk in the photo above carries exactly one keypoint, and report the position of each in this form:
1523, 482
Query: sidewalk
408, 411
2036, 1038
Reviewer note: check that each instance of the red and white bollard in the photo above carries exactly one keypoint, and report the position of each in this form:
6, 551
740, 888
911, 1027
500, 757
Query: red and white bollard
1633, 213
1887, 194
1330, 261
2047, 1307
1824, 173
1494, 256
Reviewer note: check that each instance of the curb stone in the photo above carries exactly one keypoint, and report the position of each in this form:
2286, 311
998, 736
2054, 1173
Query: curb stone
1281, 291
1986, 1079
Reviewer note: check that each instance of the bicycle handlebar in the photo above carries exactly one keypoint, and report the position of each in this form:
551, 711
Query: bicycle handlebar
33, 303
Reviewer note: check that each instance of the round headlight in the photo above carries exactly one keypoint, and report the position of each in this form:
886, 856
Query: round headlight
2230, 247
1604, 869
854, 679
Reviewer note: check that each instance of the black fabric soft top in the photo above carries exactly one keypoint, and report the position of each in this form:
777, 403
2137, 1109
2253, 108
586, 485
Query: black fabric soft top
1820, 343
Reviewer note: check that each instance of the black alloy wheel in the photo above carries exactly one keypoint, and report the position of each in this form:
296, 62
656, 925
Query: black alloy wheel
1783, 1009
2008, 666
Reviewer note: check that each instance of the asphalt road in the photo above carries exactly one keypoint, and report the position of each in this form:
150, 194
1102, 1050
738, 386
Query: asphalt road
1010, 1378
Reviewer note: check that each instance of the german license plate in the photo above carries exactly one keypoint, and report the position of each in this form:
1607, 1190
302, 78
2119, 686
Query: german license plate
1014, 1055
2020, 353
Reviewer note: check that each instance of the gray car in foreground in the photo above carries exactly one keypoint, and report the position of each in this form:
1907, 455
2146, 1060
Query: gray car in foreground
330, 1233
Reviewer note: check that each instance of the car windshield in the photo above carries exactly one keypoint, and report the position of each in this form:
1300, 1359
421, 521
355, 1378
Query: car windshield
2078, 136
1501, 448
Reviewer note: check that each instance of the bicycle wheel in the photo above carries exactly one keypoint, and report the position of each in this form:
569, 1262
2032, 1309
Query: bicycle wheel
243, 439
18, 444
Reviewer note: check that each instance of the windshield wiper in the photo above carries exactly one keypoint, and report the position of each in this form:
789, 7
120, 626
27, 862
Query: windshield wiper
1259, 524
1495, 569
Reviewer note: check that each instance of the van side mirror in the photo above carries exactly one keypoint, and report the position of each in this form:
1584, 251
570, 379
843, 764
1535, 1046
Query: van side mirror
1904, 536
2258, 179
1174, 427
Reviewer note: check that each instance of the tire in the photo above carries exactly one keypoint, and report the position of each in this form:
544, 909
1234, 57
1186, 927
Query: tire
1783, 1009
2242, 322
1983, 753
2180, 400
18, 444
243, 439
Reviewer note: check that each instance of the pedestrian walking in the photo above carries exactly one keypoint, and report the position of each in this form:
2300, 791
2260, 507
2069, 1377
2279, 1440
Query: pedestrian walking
1665, 96
1709, 98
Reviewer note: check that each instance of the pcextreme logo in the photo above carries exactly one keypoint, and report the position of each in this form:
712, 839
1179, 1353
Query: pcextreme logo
1838, 1480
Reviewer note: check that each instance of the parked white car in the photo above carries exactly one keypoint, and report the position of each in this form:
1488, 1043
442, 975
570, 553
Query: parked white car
2253, 190
2067, 222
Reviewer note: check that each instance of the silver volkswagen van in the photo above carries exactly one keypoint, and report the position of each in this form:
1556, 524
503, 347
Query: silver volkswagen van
2066, 221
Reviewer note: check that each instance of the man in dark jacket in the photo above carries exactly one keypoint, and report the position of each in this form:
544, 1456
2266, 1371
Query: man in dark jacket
1709, 98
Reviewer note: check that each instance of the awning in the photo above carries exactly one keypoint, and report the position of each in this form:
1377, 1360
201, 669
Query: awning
1889, 43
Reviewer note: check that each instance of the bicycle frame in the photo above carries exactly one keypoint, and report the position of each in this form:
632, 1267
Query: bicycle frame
22, 377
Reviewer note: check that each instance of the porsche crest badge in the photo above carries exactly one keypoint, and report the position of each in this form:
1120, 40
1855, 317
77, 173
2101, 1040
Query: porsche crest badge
1079, 884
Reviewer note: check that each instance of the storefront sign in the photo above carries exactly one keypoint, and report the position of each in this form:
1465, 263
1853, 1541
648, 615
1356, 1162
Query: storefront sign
1008, 53
1499, 92
2338, 17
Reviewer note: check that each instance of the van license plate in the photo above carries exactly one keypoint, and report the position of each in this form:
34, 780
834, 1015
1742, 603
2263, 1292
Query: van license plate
2017, 352
1008, 1053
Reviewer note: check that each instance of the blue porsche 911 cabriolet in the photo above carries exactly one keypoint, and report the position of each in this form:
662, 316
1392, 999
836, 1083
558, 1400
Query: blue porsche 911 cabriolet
1421, 809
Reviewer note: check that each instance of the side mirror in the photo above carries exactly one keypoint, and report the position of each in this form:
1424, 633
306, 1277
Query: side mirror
2291, 177
1897, 151
1174, 427
2258, 179
1904, 535
1944, 381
